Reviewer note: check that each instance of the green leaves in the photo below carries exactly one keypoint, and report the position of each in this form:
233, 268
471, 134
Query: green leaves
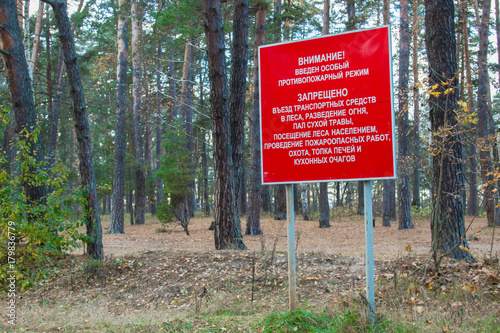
41, 228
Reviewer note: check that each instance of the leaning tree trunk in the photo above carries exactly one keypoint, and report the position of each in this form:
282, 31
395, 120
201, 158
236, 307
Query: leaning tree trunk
93, 221
226, 232
254, 184
21, 93
140, 178
448, 206
117, 209
404, 193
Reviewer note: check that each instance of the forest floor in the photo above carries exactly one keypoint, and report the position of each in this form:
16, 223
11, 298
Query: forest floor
157, 279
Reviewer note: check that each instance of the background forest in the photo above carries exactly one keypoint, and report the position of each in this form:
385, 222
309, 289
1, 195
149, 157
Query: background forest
139, 109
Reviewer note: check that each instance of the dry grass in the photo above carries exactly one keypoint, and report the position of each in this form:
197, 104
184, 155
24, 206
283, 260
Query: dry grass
180, 286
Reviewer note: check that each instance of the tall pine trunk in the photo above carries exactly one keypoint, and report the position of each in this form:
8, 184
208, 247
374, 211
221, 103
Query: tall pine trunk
226, 232
482, 111
140, 178
324, 205
187, 117
416, 109
448, 206
473, 198
404, 193
239, 60
117, 208
388, 185
254, 183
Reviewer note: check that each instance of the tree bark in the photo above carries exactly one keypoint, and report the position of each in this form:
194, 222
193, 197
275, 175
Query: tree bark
351, 15
159, 128
173, 112
187, 115
304, 203
93, 221
324, 204
448, 206
255, 187
226, 232
404, 193
280, 202
387, 184
21, 93
36, 43
140, 178
204, 158
117, 210
416, 109
473, 199
482, 112
239, 60
326, 17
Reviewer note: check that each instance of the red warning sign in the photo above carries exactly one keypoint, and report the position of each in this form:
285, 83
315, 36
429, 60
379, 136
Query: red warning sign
326, 108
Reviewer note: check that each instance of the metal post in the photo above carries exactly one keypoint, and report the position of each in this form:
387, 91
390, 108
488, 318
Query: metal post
370, 272
292, 276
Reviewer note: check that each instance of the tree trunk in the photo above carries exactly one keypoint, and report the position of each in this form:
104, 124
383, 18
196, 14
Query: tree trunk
404, 193
159, 131
173, 91
473, 199
305, 204
239, 60
416, 109
93, 221
148, 144
117, 210
351, 15
266, 198
482, 112
48, 69
324, 206
226, 232
280, 202
387, 184
140, 179
187, 116
497, 28
243, 190
54, 114
277, 20
36, 43
21, 93
361, 198
204, 158
447, 224
326, 17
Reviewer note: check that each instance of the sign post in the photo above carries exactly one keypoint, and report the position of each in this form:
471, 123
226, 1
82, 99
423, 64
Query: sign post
369, 264
326, 108
292, 273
